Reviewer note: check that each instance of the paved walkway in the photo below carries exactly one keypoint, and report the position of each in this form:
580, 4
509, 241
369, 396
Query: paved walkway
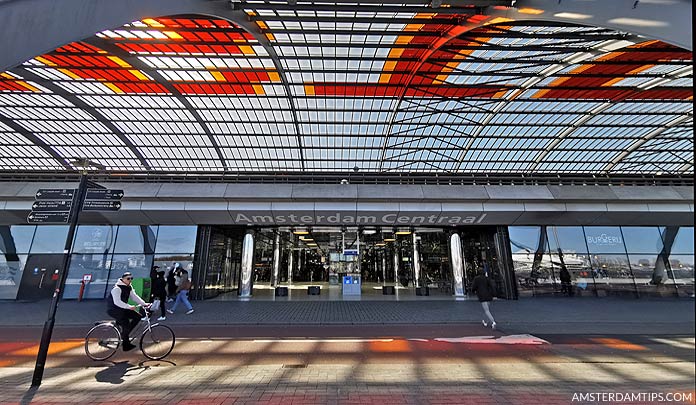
410, 352
540, 315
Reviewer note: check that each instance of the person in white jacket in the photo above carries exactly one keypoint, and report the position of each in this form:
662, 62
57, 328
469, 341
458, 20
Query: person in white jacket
126, 315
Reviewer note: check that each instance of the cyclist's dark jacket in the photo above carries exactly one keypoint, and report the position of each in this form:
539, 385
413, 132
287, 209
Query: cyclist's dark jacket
118, 298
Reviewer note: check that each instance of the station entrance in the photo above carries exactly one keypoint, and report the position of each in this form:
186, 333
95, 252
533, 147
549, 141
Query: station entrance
346, 262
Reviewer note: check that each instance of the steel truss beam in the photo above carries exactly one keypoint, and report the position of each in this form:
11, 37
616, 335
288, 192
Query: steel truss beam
135, 62
75, 100
35, 140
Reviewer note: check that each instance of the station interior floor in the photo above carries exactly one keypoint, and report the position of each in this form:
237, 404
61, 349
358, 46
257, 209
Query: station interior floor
368, 292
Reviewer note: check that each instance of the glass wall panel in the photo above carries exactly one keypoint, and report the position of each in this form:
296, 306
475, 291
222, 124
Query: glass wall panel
570, 239
96, 264
651, 274
642, 239
11, 267
16, 238
96, 239
604, 239
533, 268
49, 239
612, 274
176, 239
138, 264
684, 242
136, 239
683, 269
570, 260
14, 244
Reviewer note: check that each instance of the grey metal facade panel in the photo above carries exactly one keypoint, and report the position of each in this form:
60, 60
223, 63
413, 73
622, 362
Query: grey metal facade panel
329, 192
10, 189
273, 192
135, 190
209, 212
686, 192
30, 189
519, 193
445, 193
368, 192
198, 191
646, 193
582, 193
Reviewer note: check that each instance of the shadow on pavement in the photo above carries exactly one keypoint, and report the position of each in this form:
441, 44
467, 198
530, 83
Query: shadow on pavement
115, 373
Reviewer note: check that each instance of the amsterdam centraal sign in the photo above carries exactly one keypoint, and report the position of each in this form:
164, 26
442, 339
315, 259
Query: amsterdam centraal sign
339, 218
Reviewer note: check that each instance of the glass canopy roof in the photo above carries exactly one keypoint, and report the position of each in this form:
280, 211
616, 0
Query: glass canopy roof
334, 90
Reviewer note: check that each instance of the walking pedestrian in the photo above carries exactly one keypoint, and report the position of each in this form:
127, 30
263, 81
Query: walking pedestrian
159, 291
171, 284
484, 288
182, 294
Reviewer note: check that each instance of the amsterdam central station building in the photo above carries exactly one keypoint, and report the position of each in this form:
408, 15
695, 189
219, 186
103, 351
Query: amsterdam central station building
387, 149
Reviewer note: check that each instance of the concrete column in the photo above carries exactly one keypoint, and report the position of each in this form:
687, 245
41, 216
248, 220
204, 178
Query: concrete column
276, 260
416, 261
247, 265
457, 264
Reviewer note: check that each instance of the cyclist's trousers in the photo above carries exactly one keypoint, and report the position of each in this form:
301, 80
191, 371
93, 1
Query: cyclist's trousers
127, 319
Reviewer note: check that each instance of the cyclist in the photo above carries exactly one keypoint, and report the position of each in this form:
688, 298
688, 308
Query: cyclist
126, 315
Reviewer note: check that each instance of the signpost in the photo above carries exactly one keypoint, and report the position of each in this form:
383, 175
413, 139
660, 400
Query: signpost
91, 205
55, 194
44, 217
104, 194
61, 206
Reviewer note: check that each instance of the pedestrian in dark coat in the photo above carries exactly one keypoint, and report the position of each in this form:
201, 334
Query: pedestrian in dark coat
484, 287
171, 284
159, 291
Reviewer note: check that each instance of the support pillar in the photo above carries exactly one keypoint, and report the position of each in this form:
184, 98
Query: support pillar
384, 266
291, 255
276, 259
457, 264
416, 262
247, 265
396, 267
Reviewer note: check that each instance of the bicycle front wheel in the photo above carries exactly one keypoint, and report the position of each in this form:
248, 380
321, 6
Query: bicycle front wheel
157, 342
102, 341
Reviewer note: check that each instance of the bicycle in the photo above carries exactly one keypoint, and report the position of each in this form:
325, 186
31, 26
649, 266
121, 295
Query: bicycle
104, 339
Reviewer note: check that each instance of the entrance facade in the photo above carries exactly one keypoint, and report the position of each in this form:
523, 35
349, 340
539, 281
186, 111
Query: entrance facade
375, 261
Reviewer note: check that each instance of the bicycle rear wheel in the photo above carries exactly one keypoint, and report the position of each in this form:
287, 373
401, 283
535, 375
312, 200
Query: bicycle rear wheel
102, 341
157, 342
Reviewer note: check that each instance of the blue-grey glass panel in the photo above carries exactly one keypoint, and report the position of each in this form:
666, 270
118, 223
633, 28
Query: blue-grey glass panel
570, 239
94, 239
642, 239
176, 239
524, 239
684, 242
49, 239
138, 264
174, 260
97, 265
604, 239
683, 269
136, 239
612, 273
16, 238
11, 267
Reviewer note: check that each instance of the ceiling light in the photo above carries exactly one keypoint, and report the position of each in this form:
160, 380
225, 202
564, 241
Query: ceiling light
389, 239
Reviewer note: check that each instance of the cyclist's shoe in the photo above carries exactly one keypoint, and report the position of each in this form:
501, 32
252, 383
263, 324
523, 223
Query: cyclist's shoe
189, 312
128, 346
